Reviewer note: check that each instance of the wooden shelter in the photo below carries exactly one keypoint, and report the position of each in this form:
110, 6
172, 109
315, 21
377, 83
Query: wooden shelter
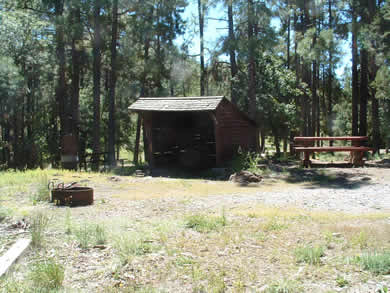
194, 132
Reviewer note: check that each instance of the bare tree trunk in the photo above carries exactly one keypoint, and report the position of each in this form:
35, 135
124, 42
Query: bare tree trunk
76, 60
355, 78
96, 85
232, 54
201, 11
288, 34
251, 62
111, 113
363, 92
330, 77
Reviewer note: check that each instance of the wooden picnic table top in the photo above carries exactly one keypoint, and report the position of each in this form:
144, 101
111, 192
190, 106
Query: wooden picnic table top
314, 138
334, 149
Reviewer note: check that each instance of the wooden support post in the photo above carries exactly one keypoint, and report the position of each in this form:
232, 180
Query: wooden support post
137, 138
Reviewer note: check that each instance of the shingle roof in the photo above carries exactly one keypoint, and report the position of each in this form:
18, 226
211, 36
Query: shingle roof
177, 104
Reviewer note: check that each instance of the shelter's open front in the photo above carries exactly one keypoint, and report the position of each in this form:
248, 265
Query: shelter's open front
184, 139
193, 132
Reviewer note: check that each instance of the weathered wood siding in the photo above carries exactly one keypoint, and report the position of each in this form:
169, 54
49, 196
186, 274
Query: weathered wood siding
233, 130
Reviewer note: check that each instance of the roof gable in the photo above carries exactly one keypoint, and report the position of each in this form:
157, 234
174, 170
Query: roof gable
178, 104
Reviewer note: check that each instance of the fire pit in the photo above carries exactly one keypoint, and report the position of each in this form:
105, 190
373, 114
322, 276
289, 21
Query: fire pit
72, 196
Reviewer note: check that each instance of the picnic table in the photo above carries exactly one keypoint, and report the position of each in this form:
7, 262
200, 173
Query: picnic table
306, 144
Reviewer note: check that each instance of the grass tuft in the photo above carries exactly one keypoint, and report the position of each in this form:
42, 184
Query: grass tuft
39, 224
47, 275
204, 223
309, 254
376, 262
42, 193
89, 235
130, 245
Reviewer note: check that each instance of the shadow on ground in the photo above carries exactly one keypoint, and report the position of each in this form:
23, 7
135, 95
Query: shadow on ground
324, 178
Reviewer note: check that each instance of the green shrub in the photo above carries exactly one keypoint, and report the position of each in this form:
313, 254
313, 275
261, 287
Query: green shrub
39, 224
246, 161
376, 262
205, 224
47, 275
309, 254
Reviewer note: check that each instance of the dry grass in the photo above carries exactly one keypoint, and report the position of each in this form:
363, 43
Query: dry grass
138, 189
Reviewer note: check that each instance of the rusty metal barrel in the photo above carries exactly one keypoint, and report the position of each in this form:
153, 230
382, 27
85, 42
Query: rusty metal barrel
73, 196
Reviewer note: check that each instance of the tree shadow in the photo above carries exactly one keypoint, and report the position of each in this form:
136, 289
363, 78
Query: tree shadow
322, 178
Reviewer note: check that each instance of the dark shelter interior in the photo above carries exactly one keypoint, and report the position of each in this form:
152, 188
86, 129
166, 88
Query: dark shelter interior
183, 139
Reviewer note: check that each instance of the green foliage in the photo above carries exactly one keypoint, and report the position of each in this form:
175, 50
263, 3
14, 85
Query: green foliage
246, 161
309, 254
47, 275
205, 223
375, 262
39, 225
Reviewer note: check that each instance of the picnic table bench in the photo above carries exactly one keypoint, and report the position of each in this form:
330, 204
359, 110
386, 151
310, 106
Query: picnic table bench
306, 145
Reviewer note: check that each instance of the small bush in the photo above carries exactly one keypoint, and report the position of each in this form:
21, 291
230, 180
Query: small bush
39, 224
205, 224
246, 161
376, 262
309, 254
47, 275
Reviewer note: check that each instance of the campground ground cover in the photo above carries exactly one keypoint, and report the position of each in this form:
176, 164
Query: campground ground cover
315, 230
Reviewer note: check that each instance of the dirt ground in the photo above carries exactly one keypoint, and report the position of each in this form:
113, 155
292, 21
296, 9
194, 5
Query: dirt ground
150, 245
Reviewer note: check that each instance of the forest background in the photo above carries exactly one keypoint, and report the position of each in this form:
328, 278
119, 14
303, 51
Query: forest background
74, 67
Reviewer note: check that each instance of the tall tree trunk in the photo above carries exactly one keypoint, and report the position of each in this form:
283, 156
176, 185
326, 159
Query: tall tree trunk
363, 92
111, 113
251, 62
373, 68
96, 84
60, 91
355, 77
330, 76
201, 12
288, 34
76, 64
232, 54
